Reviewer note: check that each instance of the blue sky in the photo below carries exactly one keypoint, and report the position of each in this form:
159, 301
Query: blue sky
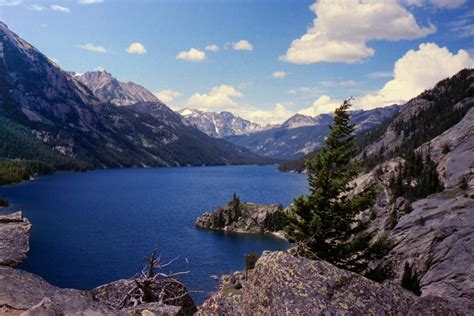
346, 51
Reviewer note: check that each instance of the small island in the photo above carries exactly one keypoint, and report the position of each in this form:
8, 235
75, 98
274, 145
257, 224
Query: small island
245, 217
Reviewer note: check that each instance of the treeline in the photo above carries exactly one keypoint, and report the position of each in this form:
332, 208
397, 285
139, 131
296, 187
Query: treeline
22, 155
17, 171
416, 179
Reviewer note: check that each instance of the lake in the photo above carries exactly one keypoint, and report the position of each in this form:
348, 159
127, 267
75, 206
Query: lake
96, 227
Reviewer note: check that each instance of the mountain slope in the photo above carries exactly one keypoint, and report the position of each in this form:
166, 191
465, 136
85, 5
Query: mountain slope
67, 117
419, 120
301, 135
219, 124
108, 89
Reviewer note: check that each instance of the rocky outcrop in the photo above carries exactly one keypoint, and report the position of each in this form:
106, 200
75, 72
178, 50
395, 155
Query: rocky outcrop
14, 239
244, 218
282, 284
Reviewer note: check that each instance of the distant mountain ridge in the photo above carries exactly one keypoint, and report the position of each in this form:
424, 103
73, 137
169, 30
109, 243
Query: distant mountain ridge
108, 89
69, 119
301, 134
219, 124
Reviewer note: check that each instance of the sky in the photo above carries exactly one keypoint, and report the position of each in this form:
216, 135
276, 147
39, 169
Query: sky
264, 60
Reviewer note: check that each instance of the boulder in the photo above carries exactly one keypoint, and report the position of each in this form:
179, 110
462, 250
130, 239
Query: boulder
14, 239
285, 285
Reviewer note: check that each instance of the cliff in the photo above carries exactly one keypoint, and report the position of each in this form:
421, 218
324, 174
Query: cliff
283, 284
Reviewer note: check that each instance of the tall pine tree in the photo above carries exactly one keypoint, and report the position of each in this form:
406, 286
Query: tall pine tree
323, 224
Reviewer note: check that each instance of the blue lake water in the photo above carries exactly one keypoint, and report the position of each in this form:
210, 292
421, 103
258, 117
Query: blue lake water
95, 227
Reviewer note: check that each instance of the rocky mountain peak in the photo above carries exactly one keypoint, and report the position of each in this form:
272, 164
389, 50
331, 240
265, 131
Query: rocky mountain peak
109, 89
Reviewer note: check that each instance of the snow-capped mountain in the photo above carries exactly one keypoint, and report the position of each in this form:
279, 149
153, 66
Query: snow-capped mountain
107, 88
301, 134
219, 124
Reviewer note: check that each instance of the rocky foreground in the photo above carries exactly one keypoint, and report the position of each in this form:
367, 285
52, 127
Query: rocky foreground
281, 284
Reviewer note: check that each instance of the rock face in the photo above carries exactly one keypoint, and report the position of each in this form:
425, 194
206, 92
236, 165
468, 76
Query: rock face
107, 88
281, 284
14, 239
246, 218
437, 239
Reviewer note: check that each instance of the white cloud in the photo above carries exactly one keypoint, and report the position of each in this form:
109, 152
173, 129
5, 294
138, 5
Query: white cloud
415, 72
277, 115
59, 8
242, 45
448, 4
35, 7
136, 48
324, 104
167, 95
218, 98
279, 74
10, 3
90, 1
212, 48
341, 30
94, 48
99, 68
192, 55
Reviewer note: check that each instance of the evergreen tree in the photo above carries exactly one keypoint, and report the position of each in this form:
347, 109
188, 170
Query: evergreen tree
323, 223
410, 280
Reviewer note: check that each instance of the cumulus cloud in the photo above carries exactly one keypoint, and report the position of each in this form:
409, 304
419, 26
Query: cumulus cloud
212, 48
242, 45
323, 104
90, 1
94, 48
167, 95
218, 98
136, 48
415, 72
279, 74
277, 115
341, 30
10, 3
59, 8
192, 55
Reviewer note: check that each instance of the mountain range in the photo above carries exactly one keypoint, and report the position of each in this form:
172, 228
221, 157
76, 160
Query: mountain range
220, 124
301, 134
64, 116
